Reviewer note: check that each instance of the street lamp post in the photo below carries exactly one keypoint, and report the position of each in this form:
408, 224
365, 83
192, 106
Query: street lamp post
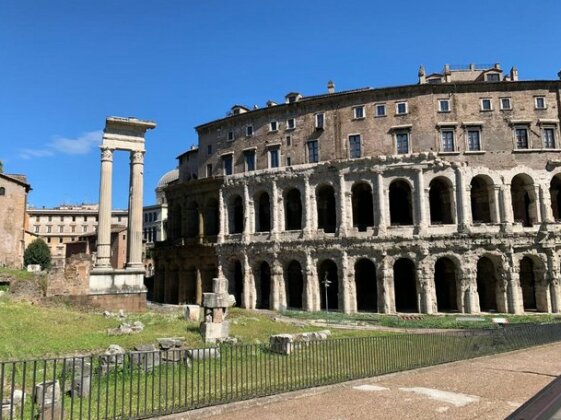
326, 282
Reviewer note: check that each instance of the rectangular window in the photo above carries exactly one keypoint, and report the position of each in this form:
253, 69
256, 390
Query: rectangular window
209, 170
486, 104
50, 218
84, 228
49, 229
73, 229
36, 229
273, 126
401, 108
474, 140
288, 161
62, 218
249, 158
227, 164
37, 218
540, 102
506, 104
291, 124
249, 131
521, 134
61, 229
288, 140
354, 146
402, 143
274, 158
493, 77
380, 110
358, 112
313, 152
548, 138
209, 149
231, 135
443, 105
447, 141
320, 118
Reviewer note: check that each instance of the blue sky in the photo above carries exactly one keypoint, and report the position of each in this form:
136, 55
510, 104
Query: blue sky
66, 65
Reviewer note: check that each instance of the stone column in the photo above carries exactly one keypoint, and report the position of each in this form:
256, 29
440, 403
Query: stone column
507, 215
312, 290
342, 207
198, 286
461, 208
277, 283
135, 212
420, 217
246, 214
425, 274
386, 294
496, 214
536, 191
545, 200
249, 292
309, 206
554, 280
221, 216
347, 300
201, 222
103, 259
380, 207
275, 214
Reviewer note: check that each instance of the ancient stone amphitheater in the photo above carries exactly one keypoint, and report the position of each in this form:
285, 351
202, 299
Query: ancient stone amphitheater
440, 196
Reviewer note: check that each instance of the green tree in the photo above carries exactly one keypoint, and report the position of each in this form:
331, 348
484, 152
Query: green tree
37, 252
1, 167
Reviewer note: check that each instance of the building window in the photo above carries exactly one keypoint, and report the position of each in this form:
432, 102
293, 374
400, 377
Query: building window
37, 218
506, 104
474, 140
61, 229
73, 229
358, 112
521, 134
209, 149
447, 140
354, 146
288, 161
540, 102
402, 143
274, 158
493, 77
145, 217
313, 151
443, 105
320, 119
548, 138
49, 228
48, 240
36, 229
486, 104
288, 140
249, 131
291, 124
209, 170
249, 157
273, 126
230, 135
401, 108
380, 110
227, 164
84, 228
2, 191
50, 218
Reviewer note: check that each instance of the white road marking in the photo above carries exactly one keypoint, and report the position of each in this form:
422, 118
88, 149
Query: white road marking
459, 400
370, 388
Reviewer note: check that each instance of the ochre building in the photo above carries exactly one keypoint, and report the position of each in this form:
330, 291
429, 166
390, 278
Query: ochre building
435, 197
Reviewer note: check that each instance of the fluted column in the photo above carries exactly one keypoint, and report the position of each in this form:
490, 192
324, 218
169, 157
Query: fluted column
135, 211
380, 204
104, 219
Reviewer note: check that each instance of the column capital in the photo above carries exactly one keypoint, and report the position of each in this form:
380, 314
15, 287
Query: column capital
106, 154
137, 157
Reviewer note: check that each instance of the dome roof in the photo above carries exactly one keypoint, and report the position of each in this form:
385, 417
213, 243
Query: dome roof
168, 177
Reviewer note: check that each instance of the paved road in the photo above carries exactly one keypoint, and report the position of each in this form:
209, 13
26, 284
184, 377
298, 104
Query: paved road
484, 388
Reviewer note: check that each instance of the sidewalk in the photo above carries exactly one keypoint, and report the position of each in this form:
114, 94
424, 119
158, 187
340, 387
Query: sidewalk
485, 388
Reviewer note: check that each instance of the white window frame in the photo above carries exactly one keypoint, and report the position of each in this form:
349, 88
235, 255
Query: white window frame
355, 109
271, 129
408, 133
384, 107
440, 101
482, 108
308, 151
360, 144
247, 129
521, 127
397, 104
502, 108
467, 129
454, 142
269, 160
536, 102
316, 123
288, 127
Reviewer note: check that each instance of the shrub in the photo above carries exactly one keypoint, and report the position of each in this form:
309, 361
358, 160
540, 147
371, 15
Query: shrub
37, 252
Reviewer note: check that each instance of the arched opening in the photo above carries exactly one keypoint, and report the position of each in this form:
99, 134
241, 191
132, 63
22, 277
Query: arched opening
401, 209
263, 213
528, 284
328, 270
441, 201
487, 284
236, 286
366, 285
481, 196
264, 286
211, 217
236, 215
523, 200
294, 281
405, 285
445, 278
555, 193
192, 222
292, 210
325, 199
363, 206
176, 225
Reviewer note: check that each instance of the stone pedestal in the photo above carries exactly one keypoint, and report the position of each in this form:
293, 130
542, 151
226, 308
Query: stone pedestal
214, 327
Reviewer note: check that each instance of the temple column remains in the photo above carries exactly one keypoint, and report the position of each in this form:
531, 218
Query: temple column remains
134, 260
104, 220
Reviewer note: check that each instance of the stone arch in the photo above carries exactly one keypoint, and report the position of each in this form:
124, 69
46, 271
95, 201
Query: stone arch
212, 217
441, 201
235, 215
401, 203
405, 285
294, 282
446, 284
328, 269
528, 284
366, 285
482, 195
363, 206
487, 284
236, 280
524, 201
263, 283
326, 208
262, 212
555, 193
292, 209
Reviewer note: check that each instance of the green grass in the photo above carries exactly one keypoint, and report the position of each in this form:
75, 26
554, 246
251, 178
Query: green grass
15, 274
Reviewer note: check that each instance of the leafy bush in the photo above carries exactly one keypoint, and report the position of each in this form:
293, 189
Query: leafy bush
37, 252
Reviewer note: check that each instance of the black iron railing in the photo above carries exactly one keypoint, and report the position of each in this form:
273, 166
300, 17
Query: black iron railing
146, 384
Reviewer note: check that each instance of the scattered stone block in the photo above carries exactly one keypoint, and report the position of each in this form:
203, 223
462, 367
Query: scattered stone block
204, 354
113, 358
11, 404
146, 357
77, 377
34, 268
172, 356
281, 343
171, 342
192, 313
48, 400
227, 340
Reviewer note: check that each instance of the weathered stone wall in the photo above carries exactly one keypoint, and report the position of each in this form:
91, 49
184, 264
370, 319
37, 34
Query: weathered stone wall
12, 222
72, 279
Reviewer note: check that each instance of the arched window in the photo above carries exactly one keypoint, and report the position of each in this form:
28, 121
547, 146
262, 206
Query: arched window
401, 209
555, 193
445, 281
363, 206
236, 215
2, 191
524, 200
328, 270
292, 210
325, 198
211, 217
263, 213
440, 200
405, 285
481, 197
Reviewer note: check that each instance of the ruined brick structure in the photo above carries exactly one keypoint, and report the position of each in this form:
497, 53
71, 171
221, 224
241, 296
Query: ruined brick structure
434, 197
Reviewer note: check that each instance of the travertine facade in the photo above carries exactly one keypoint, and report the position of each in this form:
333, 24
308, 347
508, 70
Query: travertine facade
440, 196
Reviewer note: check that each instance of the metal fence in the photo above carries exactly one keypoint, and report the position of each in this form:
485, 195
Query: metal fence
146, 384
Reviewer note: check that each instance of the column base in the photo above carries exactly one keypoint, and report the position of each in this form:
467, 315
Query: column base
134, 266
